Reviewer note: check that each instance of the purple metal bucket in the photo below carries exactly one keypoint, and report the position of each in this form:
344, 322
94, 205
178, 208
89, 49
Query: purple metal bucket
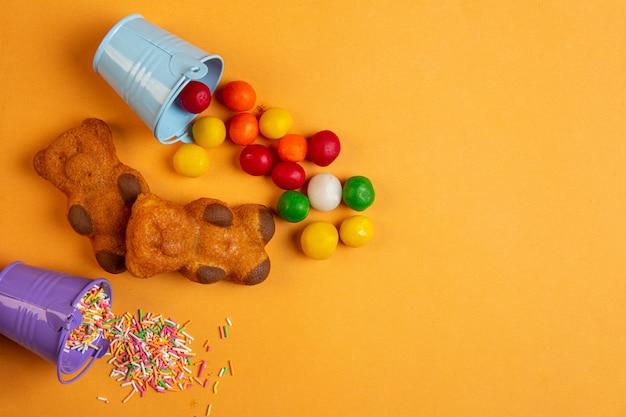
38, 310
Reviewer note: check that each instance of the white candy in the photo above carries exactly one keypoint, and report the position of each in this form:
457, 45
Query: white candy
324, 192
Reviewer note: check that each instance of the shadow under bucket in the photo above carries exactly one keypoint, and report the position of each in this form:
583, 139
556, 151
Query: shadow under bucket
38, 310
148, 67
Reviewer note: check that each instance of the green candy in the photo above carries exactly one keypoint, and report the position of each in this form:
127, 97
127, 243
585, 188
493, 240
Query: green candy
358, 193
293, 206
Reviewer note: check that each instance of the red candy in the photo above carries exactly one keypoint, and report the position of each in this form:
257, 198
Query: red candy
195, 97
256, 160
288, 175
324, 147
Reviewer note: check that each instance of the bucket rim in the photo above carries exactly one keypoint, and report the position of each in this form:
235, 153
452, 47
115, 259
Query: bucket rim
111, 32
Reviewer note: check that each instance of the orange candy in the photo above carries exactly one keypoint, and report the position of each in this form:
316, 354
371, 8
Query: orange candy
239, 96
292, 147
243, 129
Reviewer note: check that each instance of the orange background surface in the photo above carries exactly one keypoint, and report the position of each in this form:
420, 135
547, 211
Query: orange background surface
494, 135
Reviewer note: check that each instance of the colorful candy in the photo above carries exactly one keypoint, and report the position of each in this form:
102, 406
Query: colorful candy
356, 231
243, 128
319, 240
292, 147
358, 193
208, 131
195, 97
256, 159
293, 206
238, 96
288, 175
324, 148
324, 191
274, 123
191, 160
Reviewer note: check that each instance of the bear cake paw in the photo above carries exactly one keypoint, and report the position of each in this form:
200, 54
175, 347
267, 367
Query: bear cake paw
100, 190
205, 240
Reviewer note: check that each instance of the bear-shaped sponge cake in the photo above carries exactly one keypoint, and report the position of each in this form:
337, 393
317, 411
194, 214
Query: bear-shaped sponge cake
205, 240
100, 190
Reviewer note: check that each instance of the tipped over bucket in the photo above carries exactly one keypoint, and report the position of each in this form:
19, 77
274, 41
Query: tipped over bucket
39, 309
148, 67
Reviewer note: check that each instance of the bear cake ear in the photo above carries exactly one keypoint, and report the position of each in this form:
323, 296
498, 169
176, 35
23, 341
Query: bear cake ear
82, 163
218, 214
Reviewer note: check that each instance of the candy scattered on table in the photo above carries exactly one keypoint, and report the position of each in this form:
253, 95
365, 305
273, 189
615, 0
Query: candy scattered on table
288, 175
324, 148
283, 163
358, 193
319, 240
238, 96
256, 159
292, 147
324, 191
356, 231
275, 122
191, 160
243, 128
208, 131
293, 206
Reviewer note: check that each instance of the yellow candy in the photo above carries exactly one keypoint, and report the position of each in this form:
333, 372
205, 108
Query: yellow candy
208, 131
319, 240
274, 123
356, 231
191, 160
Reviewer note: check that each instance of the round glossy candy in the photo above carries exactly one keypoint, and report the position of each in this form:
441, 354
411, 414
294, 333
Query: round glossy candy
243, 128
208, 131
356, 231
239, 96
288, 175
324, 191
195, 97
319, 240
274, 123
293, 206
191, 160
358, 193
324, 148
256, 159
292, 147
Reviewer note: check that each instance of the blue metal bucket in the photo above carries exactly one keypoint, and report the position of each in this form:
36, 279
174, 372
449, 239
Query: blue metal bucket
148, 67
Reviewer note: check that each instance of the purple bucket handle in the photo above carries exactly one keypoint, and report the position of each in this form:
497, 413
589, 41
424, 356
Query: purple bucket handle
103, 347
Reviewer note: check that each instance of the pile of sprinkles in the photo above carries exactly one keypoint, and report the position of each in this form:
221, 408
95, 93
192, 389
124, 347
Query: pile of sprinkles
151, 352
148, 352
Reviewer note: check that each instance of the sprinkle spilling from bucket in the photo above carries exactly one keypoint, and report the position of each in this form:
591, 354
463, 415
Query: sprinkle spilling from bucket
147, 352
95, 307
